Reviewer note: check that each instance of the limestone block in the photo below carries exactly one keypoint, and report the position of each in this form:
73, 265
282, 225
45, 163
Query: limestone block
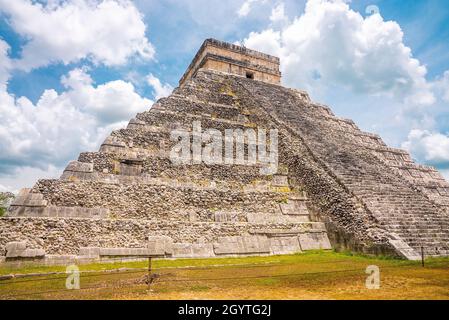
314, 241
21, 197
16, 246
294, 207
284, 245
27, 204
404, 249
33, 253
226, 217
318, 226
36, 203
160, 245
280, 181
23, 193
19, 250
89, 251
131, 167
134, 123
242, 245
193, 250
55, 260
124, 252
113, 142
76, 166
257, 217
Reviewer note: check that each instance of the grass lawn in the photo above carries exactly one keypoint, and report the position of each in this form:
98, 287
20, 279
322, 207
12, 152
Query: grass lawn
312, 275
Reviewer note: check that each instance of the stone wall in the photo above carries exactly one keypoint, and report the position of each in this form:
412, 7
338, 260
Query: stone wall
225, 57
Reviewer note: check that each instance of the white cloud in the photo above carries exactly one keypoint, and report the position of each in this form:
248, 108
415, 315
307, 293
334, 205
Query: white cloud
246, 7
430, 147
104, 31
111, 102
442, 86
268, 41
59, 126
5, 64
332, 45
26, 177
278, 13
160, 90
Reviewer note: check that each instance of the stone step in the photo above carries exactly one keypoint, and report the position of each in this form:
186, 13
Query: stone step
137, 200
391, 198
156, 166
68, 235
184, 120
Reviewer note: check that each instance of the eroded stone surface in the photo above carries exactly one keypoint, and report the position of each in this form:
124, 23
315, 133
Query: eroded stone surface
129, 199
314, 241
285, 245
242, 245
20, 250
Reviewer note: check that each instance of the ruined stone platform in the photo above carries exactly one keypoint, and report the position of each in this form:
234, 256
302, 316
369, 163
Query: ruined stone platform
335, 187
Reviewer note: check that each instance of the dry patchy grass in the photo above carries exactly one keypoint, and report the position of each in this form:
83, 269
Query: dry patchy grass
314, 275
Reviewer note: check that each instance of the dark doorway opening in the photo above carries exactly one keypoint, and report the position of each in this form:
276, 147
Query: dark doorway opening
249, 75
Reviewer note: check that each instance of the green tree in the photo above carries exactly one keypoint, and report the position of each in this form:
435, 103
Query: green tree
5, 200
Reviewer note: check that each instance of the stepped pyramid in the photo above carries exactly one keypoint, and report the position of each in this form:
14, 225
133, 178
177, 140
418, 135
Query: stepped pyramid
334, 186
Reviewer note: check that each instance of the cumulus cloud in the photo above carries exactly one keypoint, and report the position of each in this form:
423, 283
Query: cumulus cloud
5, 64
246, 7
111, 102
442, 86
332, 45
429, 147
26, 177
159, 90
278, 13
104, 31
59, 126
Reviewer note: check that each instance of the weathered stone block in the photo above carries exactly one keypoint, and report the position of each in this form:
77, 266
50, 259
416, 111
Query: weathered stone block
89, 251
284, 245
314, 241
280, 181
76, 166
226, 217
404, 249
33, 253
19, 250
193, 250
242, 245
16, 246
294, 207
160, 245
131, 167
55, 260
126, 252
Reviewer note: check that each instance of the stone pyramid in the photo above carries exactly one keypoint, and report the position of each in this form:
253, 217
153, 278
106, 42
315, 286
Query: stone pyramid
334, 186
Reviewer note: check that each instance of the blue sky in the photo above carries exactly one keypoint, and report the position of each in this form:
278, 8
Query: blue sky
73, 70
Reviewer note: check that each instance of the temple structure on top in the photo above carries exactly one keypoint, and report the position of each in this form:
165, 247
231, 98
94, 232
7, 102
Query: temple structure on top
236, 60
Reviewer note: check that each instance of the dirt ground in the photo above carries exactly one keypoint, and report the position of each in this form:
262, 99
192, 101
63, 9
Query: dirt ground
314, 275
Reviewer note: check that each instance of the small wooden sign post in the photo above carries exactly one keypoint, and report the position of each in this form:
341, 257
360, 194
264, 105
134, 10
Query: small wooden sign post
422, 256
150, 276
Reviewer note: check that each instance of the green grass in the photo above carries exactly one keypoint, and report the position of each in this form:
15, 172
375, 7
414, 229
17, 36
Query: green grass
315, 256
311, 275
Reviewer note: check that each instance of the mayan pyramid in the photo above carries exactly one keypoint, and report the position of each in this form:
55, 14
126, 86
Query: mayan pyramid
335, 186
